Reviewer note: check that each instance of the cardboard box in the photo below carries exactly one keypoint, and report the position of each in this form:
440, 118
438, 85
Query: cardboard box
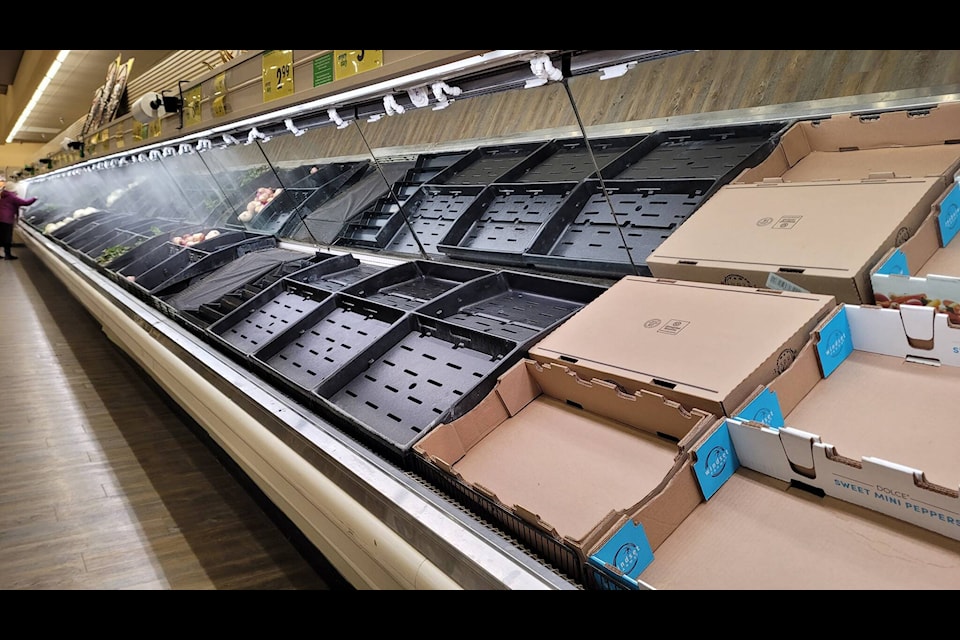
866, 414
705, 346
803, 236
578, 469
758, 533
915, 143
926, 268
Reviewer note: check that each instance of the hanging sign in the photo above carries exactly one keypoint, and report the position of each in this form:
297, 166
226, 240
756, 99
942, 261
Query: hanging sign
277, 74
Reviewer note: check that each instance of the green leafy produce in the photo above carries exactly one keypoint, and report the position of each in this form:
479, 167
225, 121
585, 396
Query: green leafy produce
111, 253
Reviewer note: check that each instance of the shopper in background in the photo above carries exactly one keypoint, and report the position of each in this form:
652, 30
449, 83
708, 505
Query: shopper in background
10, 204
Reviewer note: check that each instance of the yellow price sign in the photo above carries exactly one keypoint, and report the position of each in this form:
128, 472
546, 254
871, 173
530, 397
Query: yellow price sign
155, 128
191, 106
219, 106
348, 63
139, 131
220, 84
277, 74
118, 136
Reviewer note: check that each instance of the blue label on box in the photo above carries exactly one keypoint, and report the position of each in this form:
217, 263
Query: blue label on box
896, 264
949, 218
629, 551
765, 408
835, 343
716, 461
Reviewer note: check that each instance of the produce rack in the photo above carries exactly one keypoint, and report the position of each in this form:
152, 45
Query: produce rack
487, 164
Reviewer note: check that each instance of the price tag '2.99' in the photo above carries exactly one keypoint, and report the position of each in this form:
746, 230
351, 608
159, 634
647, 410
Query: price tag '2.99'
277, 74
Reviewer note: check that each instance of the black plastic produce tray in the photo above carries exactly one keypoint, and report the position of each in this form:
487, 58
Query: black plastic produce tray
502, 222
125, 263
585, 237
428, 165
75, 229
93, 234
209, 312
373, 228
128, 236
420, 373
410, 285
306, 194
282, 306
513, 305
486, 165
177, 270
330, 335
572, 159
429, 214
336, 273
715, 153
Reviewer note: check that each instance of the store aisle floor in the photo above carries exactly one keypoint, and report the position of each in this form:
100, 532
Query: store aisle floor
104, 483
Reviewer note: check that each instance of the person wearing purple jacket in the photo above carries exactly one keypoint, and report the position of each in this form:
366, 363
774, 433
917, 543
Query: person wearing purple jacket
10, 204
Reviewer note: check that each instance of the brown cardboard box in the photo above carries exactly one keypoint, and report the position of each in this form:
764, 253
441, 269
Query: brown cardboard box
866, 414
914, 143
759, 533
803, 236
703, 345
926, 268
575, 459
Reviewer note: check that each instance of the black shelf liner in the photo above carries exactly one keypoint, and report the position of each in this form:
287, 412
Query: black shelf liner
585, 237
410, 285
503, 221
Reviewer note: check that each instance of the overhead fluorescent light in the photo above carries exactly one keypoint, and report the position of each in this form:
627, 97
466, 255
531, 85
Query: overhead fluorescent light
44, 83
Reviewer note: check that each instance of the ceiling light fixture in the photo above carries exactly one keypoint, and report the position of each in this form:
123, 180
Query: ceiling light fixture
38, 93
